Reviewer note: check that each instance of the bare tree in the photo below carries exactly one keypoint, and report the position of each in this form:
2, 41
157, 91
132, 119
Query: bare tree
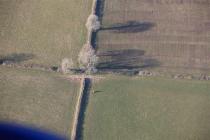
66, 65
88, 58
93, 23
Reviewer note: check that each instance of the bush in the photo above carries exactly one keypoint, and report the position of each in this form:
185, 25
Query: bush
66, 65
93, 23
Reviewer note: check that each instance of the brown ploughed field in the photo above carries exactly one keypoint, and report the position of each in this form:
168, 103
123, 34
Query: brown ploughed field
160, 35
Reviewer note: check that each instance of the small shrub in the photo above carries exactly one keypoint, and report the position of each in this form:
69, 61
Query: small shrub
66, 65
93, 23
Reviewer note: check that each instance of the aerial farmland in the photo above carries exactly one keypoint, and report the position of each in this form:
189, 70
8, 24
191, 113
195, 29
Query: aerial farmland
39, 99
170, 35
147, 108
43, 32
106, 69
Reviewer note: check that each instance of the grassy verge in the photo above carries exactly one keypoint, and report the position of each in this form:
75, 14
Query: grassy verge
40, 99
147, 109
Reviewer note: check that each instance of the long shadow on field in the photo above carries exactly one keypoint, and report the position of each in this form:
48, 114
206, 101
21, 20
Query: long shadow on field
130, 27
125, 61
84, 103
15, 58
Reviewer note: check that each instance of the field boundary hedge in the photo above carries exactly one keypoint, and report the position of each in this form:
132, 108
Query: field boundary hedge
77, 109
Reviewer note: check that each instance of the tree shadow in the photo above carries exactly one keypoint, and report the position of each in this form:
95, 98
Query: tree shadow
130, 27
130, 60
16, 58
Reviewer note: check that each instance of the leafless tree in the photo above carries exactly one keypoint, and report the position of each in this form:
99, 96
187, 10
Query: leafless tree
66, 65
93, 23
88, 58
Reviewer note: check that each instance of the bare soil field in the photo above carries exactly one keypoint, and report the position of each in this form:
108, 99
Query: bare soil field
38, 99
163, 35
42, 31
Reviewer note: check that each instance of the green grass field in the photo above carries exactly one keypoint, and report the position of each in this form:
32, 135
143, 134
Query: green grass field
46, 30
148, 109
43, 100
